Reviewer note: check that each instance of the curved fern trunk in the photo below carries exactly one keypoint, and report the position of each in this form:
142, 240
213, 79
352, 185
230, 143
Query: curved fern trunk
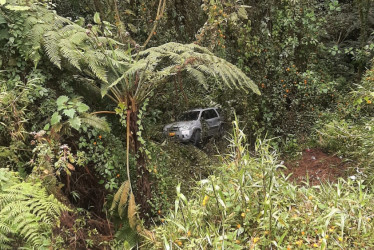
143, 186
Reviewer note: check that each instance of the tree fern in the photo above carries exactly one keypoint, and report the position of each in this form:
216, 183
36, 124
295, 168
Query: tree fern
158, 64
86, 50
26, 211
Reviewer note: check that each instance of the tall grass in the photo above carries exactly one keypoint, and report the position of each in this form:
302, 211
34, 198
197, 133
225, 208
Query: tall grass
249, 204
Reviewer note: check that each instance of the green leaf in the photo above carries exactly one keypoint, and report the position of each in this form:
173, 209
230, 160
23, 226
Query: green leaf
97, 18
2, 2
47, 126
75, 122
69, 112
56, 118
62, 100
81, 107
282, 237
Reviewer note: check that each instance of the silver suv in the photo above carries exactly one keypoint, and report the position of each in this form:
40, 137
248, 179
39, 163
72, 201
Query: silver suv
195, 124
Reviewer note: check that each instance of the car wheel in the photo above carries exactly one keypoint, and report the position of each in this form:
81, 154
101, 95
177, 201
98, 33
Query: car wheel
196, 137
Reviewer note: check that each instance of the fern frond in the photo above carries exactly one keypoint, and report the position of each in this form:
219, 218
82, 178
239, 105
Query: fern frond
78, 37
118, 54
138, 66
52, 48
60, 21
26, 210
96, 122
70, 29
117, 197
70, 52
197, 75
193, 58
94, 60
124, 197
132, 211
4, 231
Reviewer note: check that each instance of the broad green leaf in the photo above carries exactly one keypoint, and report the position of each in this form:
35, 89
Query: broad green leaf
97, 18
69, 112
81, 107
75, 122
56, 118
62, 100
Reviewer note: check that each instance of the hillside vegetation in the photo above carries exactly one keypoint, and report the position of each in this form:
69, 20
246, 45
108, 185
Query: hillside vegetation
86, 88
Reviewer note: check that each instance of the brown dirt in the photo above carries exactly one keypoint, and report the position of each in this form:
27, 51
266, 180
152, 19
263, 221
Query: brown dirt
91, 194
76, 229
317, 166
88, 228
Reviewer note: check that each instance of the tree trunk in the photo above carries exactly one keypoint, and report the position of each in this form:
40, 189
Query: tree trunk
143, 186
363, 8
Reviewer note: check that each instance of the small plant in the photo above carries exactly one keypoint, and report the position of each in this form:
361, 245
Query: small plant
73, 113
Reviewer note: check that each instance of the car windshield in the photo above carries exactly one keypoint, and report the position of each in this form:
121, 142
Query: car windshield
189, 116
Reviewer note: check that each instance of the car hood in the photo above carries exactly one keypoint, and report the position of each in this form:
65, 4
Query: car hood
180, 124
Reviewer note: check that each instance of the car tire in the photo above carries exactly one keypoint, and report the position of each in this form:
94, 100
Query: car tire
196, 138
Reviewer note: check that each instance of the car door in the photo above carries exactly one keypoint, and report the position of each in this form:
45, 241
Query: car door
214, 121
211, 119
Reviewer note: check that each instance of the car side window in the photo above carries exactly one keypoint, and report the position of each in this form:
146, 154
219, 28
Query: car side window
209, 114
205, 115
213, 114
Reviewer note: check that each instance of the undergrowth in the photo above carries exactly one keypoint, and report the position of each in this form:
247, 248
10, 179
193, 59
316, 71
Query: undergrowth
27, 213
249, 204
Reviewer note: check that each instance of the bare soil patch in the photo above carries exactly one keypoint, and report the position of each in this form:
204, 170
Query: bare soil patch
317, 166
87, 228
77, 230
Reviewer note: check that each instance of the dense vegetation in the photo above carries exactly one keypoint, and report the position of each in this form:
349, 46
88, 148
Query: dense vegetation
86, 87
